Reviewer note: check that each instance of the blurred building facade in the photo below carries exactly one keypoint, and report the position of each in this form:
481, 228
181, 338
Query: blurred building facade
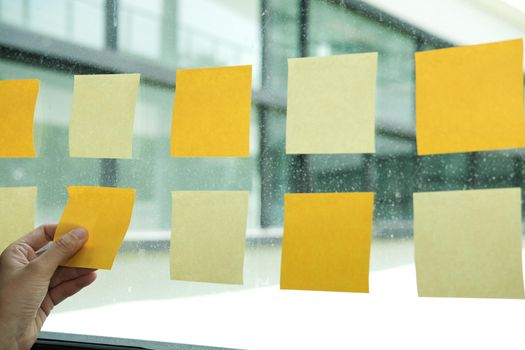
53, 39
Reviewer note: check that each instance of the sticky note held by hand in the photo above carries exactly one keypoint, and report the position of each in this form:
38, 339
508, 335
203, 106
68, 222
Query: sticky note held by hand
326, 242
470, 98
105, 212
468, 243
331, 104
17, 110
17, 213
208, 236
211, 114
102, 115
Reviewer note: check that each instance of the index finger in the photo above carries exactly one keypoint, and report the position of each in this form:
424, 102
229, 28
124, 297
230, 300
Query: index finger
39, 237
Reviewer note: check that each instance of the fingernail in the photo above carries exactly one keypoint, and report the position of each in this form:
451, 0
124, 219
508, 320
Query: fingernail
79, 233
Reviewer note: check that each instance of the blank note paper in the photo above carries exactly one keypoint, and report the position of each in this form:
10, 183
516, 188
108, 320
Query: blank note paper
470, 98
331, 104
106, 213
208, 236
102, 116
17, 110
17, 213
326, 243
211, 115
468, 243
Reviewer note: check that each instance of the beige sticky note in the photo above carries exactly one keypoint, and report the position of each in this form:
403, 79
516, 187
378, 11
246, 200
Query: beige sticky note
470, 98
102, 115
331, 104
208, 236
468, 243
17, 213
326, 243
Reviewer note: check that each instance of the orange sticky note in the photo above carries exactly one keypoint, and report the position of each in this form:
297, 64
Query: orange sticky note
326, 243
17, 111
106, 213
470, 98
211, 115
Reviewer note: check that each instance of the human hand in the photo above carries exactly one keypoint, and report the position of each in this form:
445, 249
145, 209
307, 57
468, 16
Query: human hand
31, 284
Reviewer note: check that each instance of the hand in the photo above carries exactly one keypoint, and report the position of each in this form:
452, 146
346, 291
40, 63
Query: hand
31, 284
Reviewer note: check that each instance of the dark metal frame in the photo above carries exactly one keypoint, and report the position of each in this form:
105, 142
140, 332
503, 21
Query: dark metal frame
300, 171
109, 167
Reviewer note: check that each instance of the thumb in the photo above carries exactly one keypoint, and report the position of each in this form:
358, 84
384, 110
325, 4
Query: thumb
63, 249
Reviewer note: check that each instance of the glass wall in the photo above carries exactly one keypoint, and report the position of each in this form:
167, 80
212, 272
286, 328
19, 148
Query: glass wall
167, 35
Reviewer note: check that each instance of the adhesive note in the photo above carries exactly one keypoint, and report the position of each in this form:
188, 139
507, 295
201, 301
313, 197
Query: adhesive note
468, 243
17, 213
102, 115
17, 111
208, 236
331, 104
326, 242
105, 212
211, 115
470, 98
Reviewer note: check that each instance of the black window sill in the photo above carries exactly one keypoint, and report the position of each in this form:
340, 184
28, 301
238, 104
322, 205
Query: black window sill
62, 341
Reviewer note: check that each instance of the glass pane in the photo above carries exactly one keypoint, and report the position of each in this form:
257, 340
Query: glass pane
137, 299
189, 34
76, 21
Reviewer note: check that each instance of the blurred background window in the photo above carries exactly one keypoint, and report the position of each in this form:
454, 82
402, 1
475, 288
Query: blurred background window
52, 40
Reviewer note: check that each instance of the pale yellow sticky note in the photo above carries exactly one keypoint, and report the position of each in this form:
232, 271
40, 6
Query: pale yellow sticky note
331, 104
102, 115
208, 236
106, 213
17, 110
470, 98
326, 242
468, 243
211, 114
17, 213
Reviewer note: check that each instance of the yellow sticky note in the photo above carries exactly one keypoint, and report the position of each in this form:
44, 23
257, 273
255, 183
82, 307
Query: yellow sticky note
326, 242
208, 236
17, 111
102, 115
331, 104
470, 98
211, 115
17, 213
468, 243
106, 213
